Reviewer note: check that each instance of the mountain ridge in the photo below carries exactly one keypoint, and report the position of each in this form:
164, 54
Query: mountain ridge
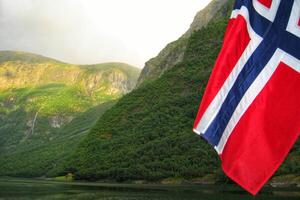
173, 53
7, 55
24, 69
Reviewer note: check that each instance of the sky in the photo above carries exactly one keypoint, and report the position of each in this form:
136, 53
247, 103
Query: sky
95, 31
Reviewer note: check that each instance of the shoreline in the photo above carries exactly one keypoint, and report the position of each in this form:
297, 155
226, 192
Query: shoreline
154, 186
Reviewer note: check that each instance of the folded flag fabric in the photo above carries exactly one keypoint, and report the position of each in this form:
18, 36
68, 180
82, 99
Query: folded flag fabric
250, 111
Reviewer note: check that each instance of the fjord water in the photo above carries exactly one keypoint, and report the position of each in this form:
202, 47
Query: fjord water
17, 189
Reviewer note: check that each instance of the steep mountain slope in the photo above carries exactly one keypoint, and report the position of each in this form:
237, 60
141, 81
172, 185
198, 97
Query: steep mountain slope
148, 134
47, 106
174, 52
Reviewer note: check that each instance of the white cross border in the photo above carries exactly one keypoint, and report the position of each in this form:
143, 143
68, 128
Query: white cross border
269, 13
255, 88
293, 26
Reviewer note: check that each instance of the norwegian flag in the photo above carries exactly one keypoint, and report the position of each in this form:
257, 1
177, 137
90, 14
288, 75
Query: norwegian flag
250, 111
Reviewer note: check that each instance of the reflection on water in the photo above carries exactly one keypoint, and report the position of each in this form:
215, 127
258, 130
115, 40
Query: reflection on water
16, 189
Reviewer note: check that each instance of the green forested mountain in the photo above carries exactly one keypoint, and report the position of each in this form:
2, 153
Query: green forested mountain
148, 134
47, 106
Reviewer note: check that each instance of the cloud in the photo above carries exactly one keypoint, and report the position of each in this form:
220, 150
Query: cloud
93, 31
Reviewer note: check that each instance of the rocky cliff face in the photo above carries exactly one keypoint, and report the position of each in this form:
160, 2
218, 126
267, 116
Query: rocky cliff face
173, 53
28, 70
204, 16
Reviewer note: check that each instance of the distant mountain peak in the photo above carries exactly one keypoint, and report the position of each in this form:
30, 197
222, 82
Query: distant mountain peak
6, 56
22, 69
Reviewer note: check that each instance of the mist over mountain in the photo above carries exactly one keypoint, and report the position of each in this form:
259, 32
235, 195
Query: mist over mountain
94, 31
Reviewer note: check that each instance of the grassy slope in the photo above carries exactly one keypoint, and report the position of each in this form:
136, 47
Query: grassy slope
54, 92
148, 133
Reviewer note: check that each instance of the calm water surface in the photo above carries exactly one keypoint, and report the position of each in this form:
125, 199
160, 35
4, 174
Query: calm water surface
17, 189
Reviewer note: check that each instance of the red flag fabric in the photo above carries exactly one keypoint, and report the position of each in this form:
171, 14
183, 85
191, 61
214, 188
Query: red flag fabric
250, 111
